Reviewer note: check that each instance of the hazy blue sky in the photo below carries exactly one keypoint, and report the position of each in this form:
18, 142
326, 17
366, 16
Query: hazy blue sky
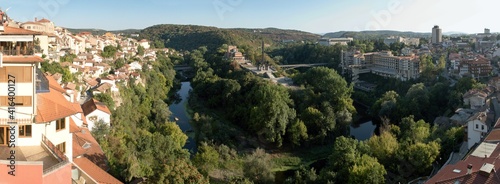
318, 16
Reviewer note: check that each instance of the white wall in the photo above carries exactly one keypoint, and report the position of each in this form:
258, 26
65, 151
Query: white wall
58, 137
473, 134
44, 43
100, 115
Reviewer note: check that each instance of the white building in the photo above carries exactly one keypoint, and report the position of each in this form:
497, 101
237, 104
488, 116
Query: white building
333, 41
95, 111
476, 129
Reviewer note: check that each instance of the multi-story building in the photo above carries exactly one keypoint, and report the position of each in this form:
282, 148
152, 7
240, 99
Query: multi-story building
36, 145
398, 39
382, 64
333, 41
43, 25
437, 35
477, 68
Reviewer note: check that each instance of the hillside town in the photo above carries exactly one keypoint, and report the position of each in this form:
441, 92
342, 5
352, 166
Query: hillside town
55, 117
55, 112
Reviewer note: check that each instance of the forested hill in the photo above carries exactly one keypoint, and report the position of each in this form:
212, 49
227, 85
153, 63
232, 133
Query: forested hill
189, 37
375, 34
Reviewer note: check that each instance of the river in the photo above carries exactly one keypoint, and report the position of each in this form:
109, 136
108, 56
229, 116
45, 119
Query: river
362, 131
179, 111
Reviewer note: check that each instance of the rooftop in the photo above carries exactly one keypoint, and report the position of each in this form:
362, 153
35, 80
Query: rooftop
52, 105
31, 153
92, 170
21, 59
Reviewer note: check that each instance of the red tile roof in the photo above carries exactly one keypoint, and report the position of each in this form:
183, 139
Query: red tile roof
493, 136
84, 144
458, 171
96, 173
52, 106
54, 85
44, 20
18, 31
22, 59
92, 105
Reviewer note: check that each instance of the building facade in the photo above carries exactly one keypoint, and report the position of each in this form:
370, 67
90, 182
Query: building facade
437, 35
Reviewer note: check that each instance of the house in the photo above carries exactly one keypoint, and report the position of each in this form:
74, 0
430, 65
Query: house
476, 128
475, 98
94, 111
89, 158
144, 43
478, 167
41, 120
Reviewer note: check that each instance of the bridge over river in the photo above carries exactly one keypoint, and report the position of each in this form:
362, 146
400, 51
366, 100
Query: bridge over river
284, 67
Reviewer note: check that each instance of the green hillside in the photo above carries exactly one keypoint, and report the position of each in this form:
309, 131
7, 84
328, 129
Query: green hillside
189, 37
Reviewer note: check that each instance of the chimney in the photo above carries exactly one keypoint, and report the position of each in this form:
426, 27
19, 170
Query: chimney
36, 19
469, 169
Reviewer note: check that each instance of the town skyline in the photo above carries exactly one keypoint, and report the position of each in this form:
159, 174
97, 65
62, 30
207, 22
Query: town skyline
320, 17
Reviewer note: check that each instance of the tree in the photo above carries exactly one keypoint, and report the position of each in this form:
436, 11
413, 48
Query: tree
383, 147
100, 131
109, 51
346, 152
118, 63
140, 50
179, 171
386, 106
420, 155
297, 132
442, 63
366, 169
258, 167
270, 111
106, 99
206, 159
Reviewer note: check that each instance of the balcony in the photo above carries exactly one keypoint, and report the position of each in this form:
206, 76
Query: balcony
17, 48
31, 154
61, 158
15, 52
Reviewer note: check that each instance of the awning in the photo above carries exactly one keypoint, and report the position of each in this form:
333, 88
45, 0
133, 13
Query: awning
16, 38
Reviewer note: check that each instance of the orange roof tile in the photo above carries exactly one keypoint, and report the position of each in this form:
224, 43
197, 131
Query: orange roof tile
18, 31
22, 59
52, 106
44, 20
96, 173
54, 85
92, 105
77, 107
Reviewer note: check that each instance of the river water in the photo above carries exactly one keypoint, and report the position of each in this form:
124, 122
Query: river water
179, 111
362, 131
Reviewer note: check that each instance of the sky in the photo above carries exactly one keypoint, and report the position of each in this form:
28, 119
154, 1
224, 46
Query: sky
316, 16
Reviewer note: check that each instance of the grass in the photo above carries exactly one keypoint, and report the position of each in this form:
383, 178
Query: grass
293, 160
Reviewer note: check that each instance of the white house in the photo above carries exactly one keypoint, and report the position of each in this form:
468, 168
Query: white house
476, 128
475, 98
95, 111
144, 43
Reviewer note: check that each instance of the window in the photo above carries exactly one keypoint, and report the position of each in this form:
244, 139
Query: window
482, 127
60, 124
477, 126
24, 130
61, 147
23, 101
22, 73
